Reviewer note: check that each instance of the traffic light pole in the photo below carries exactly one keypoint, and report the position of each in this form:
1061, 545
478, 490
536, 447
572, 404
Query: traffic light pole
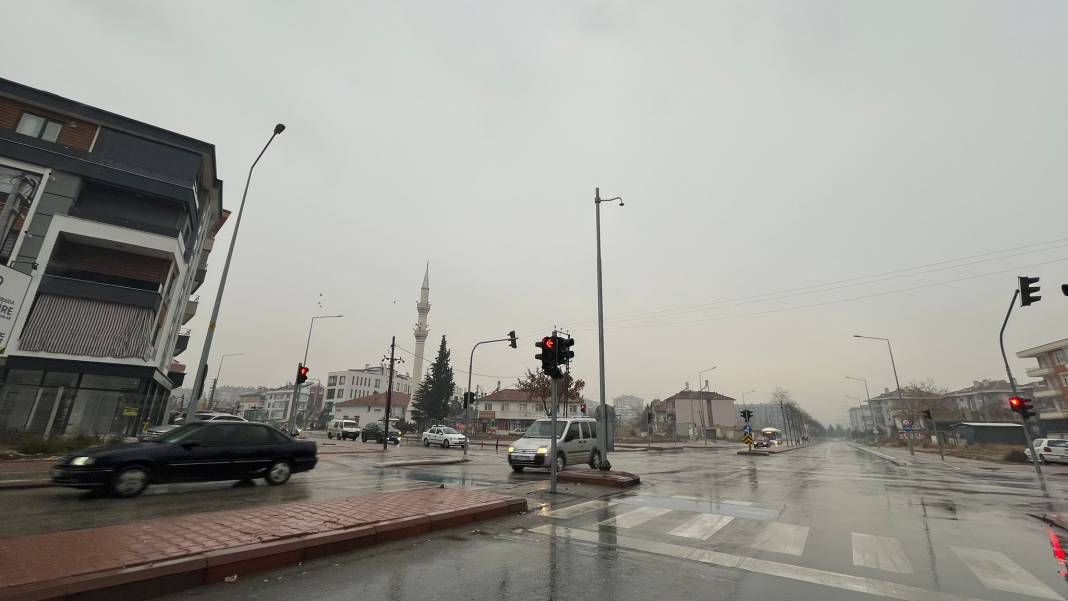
1012, 383
554, 399
470, 371
602, 440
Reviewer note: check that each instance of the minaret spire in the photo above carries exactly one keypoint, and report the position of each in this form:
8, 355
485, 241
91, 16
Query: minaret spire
422, 330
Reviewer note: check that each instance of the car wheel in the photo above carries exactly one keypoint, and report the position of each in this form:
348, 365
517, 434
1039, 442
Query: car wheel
595, 460
561, 463
445, 443
129, 481
517, 469
279, 472
426, 443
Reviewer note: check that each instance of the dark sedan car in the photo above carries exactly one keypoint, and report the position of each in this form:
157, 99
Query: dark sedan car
373, 431
201, 451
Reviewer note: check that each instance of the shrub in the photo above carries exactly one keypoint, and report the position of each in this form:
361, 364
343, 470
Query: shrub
1016, 456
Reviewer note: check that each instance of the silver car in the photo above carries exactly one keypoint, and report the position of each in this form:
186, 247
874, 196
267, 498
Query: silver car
156, 431
576, 443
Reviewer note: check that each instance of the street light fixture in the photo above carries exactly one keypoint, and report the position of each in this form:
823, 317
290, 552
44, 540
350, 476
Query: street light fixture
897, 382
202, 371
871, 409
701, 386
218, 374
602, 440
743, 397
296, 384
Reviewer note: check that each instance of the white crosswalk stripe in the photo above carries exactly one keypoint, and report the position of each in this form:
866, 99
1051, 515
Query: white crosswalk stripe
635, 517
702, 526
579, 509
880, 552
778, 537
998, 572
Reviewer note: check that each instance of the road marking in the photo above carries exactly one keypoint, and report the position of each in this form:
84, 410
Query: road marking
634, 517
998, 572
871, 586
778, 537
702, 527
880, 552
707, 500
579, 509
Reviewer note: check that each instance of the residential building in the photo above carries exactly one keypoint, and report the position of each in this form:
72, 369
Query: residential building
252, 406
700, 413
984, 401
890, 409
629, 409
860, 419
276, 402
356, 383
105, 233
511, 408
1051, 393
367, 409
664, 416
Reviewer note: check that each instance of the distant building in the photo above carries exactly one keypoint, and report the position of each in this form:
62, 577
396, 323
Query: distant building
766, 415
1051, 393
984, 400
860, 419
356, 383
699, 410
629, 409
511, 408
277, 400
372, 408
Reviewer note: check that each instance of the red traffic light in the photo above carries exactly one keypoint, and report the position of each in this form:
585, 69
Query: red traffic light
548, 342
302, 373
1015, 402
583, 407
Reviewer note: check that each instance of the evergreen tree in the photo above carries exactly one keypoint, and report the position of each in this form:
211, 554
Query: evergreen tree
431, 402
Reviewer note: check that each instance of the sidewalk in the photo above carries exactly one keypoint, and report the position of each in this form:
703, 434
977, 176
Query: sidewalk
25, 473
142, 559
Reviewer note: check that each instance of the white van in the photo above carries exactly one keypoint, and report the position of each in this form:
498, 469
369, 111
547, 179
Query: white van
576, 443
342, 429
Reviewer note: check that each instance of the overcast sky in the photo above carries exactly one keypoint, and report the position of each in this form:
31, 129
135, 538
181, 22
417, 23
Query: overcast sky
760, 147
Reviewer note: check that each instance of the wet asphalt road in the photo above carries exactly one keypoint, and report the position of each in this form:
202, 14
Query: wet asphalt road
821, 523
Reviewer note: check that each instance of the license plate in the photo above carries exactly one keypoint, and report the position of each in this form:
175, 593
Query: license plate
523, 457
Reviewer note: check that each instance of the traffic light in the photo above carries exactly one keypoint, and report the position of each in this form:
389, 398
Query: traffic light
512, 339
564, 352
1022, 406
1028, 291
468, 397
302, 373
582, 408
927, 415
746, 414
550, 364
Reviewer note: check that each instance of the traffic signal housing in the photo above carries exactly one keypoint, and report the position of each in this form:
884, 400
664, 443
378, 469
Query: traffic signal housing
1028, 291
302, 373
512, 339
549, 357
564, 353
1022, 406
746, 414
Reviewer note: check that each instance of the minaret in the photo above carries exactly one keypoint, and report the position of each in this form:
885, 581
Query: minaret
421, 330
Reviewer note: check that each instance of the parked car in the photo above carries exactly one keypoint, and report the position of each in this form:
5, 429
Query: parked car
1050, 450
517, 432
211, 416
157, 431
576, 443
373, 431
342, 429
444, 436
284, 427
195, 452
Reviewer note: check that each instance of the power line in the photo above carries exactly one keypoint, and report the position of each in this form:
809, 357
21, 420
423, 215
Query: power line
455, 369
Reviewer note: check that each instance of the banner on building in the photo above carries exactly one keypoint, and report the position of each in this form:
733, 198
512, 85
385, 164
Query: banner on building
13, 286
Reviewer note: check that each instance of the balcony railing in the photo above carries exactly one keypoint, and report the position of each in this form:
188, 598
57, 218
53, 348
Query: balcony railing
190, 309
1038, 372
1045, 393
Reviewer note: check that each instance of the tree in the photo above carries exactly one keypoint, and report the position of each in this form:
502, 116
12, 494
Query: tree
431, 402
538, 386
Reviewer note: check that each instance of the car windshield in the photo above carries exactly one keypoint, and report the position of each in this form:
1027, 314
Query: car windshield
543, 429
449, 431
1057, 442
348, 424
180, 432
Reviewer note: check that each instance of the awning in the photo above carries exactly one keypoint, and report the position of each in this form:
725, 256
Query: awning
79, 326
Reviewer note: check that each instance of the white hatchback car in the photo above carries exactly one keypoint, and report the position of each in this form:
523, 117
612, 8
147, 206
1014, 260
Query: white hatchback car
1050, 450
444, 436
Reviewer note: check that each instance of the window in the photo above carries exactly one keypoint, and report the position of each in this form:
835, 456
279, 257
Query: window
330, 393
1058, 357
39, 127
341, 380
254, 435
592, 426
219, 435
487, 406
332, 380
378, 382
1065, 378
523, 407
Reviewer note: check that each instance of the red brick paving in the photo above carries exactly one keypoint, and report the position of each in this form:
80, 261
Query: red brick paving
231, 541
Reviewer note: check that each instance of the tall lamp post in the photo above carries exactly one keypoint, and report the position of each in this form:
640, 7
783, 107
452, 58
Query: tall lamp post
897, 382
867, 395
603, 438
744, 406
202, 371
296, 385
218, 374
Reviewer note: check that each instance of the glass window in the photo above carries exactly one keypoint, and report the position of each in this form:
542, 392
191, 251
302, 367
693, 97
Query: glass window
341, 380
220, 435
39, 127
24, 376
449, 431
254, 435
330, 393
1065, 377
592, 429
60, 378
543, 429
331, 380
51, 131
1058, 356
110, 382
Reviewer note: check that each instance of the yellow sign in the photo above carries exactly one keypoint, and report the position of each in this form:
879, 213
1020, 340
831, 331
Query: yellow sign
129, 411
748, 438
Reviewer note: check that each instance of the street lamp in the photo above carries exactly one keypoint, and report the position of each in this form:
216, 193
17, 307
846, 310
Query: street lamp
700, 386
511, 339
202, 366
296, 384
900, 400
743, 398
871, 409
218, 374
602, 440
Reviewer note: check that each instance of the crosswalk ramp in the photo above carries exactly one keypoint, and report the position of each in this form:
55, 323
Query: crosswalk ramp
697, 534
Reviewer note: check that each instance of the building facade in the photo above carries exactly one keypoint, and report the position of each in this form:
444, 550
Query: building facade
105, 233
373, 408
511, 408
983, 401
356, 383
700, 411
275, 402
1051, 393
766, 415
860, 419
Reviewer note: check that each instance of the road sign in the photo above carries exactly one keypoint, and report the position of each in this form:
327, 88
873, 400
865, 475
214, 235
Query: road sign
747, 428
906, 425
747, 438
911, 435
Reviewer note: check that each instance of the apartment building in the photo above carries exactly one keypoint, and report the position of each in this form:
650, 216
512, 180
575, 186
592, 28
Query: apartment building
511, 408
983, 401
367, 409
1051, 393
860, 419
105, 231
356, 383
275, 402
700, 410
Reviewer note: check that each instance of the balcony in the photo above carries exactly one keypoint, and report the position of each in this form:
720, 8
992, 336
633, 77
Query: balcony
61, 286
1038, 372
209, 243
1046, 393
199, 277
183, 341
190, 309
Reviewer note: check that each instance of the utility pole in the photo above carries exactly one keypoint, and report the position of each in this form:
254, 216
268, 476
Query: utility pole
389, 394
555, 397
295, 401
602, 440
897, 382
1012, 383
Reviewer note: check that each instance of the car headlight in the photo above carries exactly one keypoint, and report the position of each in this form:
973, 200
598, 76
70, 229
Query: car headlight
542, 450
83, 461
511, 449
